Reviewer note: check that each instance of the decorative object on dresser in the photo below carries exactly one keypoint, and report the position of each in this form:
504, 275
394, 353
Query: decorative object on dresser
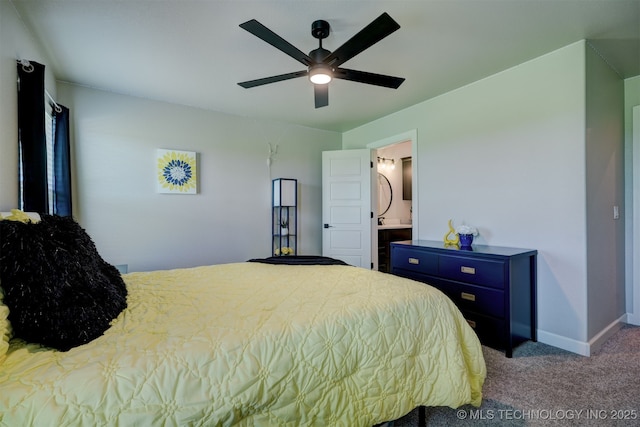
451, 238
466, 240
284, 221
466, 234
494, 287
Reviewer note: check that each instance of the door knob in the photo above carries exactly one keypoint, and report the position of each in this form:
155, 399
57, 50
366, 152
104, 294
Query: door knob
328, 226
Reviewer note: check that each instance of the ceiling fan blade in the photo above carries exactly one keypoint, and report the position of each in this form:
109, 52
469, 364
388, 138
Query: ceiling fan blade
321, 93
272, 79
262, 32
368, 78
380, 28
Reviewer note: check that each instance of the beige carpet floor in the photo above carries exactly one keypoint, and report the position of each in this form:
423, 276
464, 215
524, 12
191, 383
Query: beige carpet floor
545, 386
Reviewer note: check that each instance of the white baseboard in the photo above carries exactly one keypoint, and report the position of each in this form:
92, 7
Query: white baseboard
596, 342
569, 344
580, 347
633, 319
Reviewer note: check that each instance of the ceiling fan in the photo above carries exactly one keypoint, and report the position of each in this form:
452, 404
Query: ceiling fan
323, 65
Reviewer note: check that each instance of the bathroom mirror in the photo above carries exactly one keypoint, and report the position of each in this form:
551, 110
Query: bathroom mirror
385, 194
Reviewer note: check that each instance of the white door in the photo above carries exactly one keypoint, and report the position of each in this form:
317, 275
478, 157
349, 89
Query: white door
346, 206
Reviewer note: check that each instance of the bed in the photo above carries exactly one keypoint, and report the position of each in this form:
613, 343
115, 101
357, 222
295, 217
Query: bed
250, 344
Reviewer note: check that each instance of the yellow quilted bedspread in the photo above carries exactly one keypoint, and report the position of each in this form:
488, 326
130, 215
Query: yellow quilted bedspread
254, 345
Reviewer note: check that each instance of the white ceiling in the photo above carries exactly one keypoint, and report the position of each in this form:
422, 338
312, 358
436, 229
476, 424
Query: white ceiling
194, 52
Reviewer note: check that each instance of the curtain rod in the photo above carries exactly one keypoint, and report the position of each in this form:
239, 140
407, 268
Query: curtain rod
27, 67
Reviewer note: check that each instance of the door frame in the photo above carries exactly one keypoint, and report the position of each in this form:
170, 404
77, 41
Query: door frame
634, 246
410, 135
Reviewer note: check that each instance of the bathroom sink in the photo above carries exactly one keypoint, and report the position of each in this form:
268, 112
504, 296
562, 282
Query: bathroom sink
393, 226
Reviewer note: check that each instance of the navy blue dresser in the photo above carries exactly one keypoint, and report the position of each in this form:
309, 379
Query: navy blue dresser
494, 287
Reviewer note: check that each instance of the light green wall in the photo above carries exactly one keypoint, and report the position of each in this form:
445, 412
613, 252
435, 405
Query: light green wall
507, 154
229, 220
605, 189
631, 99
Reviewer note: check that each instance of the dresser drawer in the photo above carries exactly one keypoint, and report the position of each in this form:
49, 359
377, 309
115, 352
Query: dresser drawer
416, 261
490, 330
479, 271
475, 298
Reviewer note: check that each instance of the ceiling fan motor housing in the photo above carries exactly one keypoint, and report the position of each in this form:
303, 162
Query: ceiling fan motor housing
318, 55
320, 29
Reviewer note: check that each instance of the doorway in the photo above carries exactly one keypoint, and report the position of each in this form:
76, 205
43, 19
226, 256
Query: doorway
396, 203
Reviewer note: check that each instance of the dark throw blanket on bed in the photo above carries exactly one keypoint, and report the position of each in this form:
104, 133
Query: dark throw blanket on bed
299, 260
59, 290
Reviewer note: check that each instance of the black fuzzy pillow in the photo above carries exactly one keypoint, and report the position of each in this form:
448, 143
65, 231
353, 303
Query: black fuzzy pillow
59, 290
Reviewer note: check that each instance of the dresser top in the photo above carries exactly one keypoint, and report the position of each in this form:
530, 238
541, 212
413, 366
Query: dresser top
478, 249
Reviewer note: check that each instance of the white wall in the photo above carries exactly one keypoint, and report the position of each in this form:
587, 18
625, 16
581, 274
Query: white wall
507, 154
115, 140
15, 43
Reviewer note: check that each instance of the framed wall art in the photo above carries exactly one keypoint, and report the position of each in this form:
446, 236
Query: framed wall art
176, 172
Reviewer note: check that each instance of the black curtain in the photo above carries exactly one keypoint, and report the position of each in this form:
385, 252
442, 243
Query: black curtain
31, 134
61, 161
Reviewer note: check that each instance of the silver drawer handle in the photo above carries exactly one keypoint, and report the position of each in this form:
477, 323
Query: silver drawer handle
468, 297
468, 270
415, 261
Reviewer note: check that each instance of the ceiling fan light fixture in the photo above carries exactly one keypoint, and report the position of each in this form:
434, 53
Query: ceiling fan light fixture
322, 65
320, 74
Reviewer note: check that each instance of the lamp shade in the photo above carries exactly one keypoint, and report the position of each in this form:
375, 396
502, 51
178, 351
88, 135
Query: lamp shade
284, 192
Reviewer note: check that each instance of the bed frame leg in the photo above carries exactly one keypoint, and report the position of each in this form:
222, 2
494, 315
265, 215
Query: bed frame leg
422, 416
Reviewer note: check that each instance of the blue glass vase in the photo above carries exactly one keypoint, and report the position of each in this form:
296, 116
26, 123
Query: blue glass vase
466, 240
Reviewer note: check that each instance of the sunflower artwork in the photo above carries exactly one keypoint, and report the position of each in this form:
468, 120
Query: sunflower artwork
176, 172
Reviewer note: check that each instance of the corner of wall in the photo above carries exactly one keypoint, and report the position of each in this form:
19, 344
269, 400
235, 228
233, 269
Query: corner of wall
565, 343
604, 145
581, 347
